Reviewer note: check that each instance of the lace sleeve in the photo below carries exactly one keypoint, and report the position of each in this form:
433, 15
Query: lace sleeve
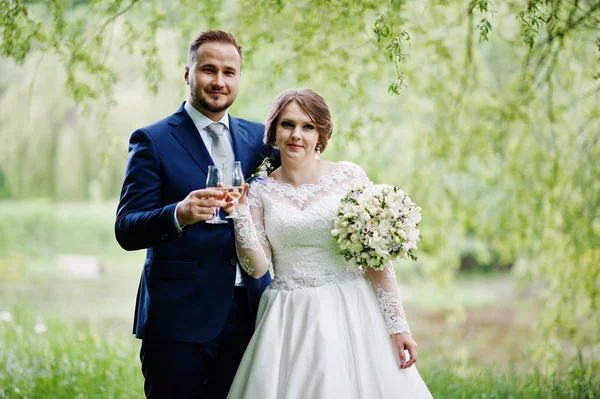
251, 242
385, 286
356, 173
383, 282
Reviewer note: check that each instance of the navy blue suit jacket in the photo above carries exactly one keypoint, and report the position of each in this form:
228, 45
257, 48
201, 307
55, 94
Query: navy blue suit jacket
187, 282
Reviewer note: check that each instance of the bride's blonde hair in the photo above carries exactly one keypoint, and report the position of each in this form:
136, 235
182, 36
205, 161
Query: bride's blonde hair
312, 103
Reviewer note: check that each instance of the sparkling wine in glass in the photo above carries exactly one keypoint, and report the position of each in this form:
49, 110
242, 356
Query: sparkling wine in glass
234, 180
214, 179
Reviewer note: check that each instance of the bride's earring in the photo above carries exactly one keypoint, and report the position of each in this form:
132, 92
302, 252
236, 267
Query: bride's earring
318, 154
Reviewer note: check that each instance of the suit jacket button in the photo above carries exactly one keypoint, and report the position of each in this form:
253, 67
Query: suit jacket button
233, 262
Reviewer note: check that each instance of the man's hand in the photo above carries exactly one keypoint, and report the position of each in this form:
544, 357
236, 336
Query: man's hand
404, 341
199, 205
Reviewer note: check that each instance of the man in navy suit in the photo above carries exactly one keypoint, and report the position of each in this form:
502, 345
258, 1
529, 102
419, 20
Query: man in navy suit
196, 308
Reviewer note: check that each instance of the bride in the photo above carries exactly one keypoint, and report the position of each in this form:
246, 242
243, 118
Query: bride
324, 330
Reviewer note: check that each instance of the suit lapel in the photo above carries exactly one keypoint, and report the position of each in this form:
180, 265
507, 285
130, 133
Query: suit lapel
241, 145
186, 133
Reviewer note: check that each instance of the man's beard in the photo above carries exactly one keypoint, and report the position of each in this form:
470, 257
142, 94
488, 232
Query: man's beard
203, 104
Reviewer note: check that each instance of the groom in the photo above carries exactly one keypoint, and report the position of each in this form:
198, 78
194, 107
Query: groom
196, 308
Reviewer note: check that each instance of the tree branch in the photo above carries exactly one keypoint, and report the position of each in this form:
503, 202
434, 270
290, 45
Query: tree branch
114, 17
572, 24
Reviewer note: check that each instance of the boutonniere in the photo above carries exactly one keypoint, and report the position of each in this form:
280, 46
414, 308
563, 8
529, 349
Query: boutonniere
263, 170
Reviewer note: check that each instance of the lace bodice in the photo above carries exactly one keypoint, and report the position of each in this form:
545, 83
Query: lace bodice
289, 228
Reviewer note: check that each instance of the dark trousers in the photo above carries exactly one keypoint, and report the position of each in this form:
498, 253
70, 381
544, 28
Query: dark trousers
180, 370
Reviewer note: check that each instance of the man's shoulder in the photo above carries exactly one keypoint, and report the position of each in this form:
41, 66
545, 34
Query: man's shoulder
156, 126
161, 126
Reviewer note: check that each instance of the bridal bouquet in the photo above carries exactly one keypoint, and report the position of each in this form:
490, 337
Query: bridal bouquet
377, 223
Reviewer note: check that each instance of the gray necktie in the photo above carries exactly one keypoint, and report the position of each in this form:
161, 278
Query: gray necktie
221, 151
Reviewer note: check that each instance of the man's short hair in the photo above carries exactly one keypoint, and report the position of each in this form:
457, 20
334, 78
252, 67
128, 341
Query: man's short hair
211, 36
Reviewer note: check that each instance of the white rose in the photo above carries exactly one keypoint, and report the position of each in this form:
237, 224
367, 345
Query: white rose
413, 236
402, 234
384, 227
356, 246
413, 218
364, 215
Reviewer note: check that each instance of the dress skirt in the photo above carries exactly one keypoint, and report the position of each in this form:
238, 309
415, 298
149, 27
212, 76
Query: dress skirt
323, 342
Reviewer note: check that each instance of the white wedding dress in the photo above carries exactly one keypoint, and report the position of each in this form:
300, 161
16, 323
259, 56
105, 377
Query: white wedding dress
323, 329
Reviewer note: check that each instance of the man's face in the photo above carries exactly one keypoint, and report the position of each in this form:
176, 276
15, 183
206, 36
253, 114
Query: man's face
214, 77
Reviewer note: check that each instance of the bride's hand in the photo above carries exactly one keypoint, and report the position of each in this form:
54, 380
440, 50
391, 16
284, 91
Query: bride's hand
244, 198
404, 341
242, 201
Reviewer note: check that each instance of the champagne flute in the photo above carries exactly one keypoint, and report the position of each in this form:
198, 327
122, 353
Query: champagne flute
214, 179
234, 180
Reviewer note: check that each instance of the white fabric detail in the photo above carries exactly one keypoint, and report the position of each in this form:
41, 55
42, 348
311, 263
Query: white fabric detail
321, 343
322, 329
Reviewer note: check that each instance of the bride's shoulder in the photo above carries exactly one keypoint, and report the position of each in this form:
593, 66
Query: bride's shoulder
257, 185
351, 168
331, 165
348, 165
255, 191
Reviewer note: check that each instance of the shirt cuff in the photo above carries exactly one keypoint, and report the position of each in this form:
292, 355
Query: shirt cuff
179, 228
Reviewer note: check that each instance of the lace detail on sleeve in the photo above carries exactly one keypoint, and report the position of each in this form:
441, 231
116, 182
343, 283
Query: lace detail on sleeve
355, 172
252, 245
392, 311
390, 273
254, 201
245, 264
386, 291
245, 233
261, 233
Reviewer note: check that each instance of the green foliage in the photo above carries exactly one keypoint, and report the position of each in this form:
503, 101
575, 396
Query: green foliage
81, 42
576, 381
498, 142
44, 229
515, 149
387, 33
484, 26
4, 189
47, 359
19, 30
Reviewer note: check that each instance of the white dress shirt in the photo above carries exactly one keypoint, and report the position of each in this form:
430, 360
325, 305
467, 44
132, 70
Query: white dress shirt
201, 122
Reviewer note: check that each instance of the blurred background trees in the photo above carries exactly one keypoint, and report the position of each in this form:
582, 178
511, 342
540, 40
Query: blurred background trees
487, 113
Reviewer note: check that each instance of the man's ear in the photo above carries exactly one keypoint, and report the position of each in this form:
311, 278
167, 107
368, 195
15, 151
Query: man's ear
186, 75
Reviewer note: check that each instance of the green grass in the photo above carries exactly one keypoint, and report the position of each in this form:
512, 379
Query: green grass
45, 228
72, 361
571, 382
50, 359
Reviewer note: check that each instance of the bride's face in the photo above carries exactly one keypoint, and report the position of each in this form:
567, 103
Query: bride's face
296, 135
